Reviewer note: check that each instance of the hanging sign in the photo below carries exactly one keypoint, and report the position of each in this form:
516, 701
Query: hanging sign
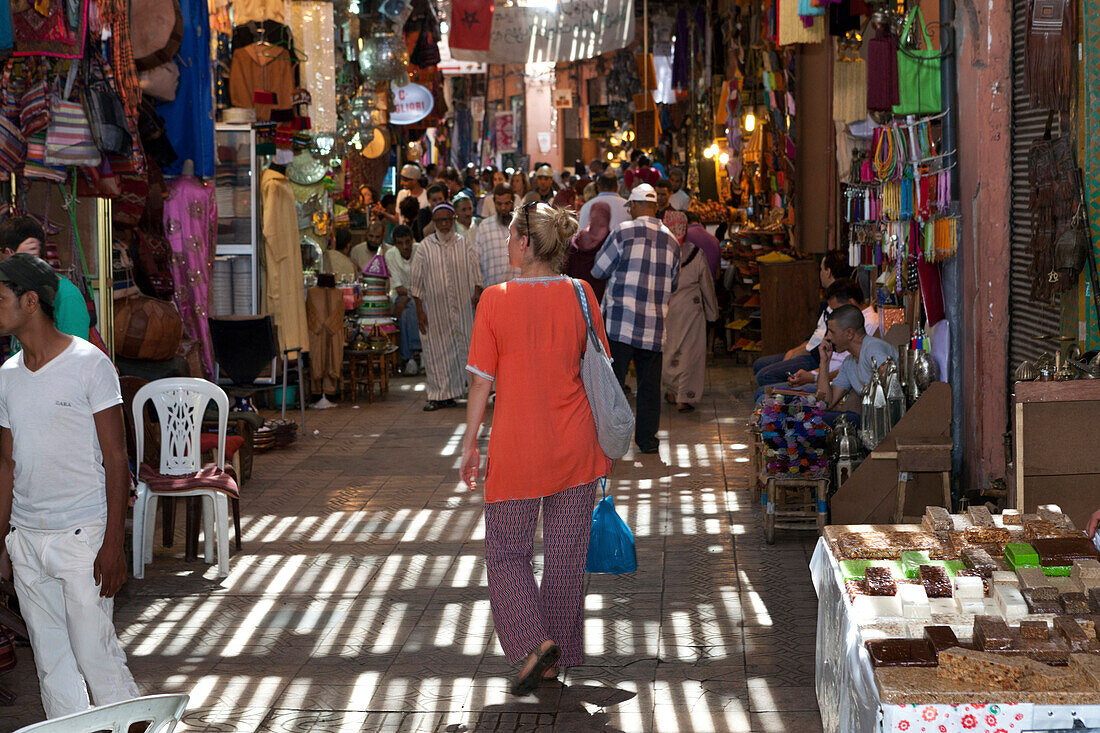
568, 30
504, 131
411, 103
563, 99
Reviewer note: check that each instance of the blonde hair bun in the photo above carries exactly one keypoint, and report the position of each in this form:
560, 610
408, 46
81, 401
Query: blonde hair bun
551, 231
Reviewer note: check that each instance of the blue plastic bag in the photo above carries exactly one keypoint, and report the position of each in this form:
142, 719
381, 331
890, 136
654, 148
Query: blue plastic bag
611, 545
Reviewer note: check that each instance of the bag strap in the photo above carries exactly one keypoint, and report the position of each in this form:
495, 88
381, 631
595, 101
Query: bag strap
691, 257
70, 80
583, 300
915, 14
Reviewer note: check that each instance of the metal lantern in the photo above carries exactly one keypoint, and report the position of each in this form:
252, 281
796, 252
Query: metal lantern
846, 449
384, 57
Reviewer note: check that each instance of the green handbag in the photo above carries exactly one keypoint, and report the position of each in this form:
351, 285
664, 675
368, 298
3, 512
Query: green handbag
918, 73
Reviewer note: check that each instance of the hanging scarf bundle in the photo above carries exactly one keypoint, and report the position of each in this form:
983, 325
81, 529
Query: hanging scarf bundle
897, 200
1050, 59
882, 71
940, 238
890, 149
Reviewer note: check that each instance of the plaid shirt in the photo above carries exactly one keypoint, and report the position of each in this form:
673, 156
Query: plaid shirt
640, 261
491, 246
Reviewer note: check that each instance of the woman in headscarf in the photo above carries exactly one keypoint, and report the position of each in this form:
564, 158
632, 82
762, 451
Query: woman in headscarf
586, 244
693, 303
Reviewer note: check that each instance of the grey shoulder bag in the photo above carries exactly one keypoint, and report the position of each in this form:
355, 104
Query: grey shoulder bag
614, 418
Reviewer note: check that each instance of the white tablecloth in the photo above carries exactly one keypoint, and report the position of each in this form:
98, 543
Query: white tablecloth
848, 698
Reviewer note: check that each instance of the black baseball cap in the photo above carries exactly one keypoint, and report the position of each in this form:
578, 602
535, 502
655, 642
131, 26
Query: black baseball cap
31, 274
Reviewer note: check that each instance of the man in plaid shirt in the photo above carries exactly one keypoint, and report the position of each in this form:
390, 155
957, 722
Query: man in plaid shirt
640, 261
490, 240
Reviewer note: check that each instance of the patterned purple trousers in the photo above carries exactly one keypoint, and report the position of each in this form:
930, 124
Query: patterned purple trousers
526, 613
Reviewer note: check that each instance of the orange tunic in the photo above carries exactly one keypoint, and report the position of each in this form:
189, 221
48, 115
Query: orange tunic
529, 336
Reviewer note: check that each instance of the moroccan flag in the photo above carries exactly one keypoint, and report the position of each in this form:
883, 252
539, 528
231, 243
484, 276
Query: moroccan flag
471, 24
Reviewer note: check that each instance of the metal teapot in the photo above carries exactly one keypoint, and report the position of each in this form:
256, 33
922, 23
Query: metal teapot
845, 443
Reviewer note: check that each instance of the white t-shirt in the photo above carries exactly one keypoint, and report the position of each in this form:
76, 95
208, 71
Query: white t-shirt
60, 481
615, 202
422, 197
400, 269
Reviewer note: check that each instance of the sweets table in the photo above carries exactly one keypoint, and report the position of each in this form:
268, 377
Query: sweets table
849, 699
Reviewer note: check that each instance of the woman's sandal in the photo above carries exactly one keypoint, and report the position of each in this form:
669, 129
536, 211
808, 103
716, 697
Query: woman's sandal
527, 683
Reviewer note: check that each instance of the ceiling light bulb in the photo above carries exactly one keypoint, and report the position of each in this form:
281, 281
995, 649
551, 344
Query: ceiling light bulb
708, 153
724, 158
611, 156
750, 122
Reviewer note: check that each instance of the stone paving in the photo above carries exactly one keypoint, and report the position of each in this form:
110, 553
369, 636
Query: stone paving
359, 602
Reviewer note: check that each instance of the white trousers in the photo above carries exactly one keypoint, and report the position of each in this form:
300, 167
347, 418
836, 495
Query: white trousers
71, 626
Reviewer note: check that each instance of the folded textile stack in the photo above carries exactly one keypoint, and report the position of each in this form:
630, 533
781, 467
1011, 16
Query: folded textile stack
794, 432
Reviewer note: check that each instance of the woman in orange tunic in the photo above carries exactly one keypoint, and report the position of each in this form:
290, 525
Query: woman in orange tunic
529, 337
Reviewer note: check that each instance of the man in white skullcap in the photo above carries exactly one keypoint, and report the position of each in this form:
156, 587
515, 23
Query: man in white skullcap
410, 185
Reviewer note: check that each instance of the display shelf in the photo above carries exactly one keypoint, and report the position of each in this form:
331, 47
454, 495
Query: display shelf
236, 187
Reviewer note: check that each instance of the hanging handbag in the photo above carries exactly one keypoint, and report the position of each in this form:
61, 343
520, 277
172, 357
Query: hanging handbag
13, 146
919, 88
35, 167
34, 110
106, 114
611, 411
69, 136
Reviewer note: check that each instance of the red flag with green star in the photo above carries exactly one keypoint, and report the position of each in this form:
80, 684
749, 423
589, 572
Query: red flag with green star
471, 24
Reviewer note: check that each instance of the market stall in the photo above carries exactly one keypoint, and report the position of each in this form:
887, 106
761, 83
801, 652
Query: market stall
964, 622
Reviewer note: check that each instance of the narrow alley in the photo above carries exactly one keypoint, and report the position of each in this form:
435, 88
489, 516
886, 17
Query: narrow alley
359, 602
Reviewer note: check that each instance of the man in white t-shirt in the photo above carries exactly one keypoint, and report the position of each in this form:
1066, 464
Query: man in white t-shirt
410, 185
64, 488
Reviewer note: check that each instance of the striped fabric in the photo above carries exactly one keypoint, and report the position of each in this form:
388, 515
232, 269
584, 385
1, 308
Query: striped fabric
525, 613
444, 276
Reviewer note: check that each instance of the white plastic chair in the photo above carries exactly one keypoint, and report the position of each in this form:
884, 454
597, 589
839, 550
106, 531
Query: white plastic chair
162, 712
180, 403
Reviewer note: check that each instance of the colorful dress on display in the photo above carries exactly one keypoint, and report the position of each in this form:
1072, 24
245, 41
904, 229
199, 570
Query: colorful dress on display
191, 224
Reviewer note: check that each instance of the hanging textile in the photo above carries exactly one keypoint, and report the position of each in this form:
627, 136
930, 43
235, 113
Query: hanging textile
189, 118
849, 90
793, 30
845, 17
284, 288
681, 61
1090, 141
882, 71
5, 28
325, 315
49, 34
1050, 56
314, 31
191, 224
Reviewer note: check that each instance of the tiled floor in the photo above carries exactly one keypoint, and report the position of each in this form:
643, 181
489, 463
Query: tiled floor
359, 602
